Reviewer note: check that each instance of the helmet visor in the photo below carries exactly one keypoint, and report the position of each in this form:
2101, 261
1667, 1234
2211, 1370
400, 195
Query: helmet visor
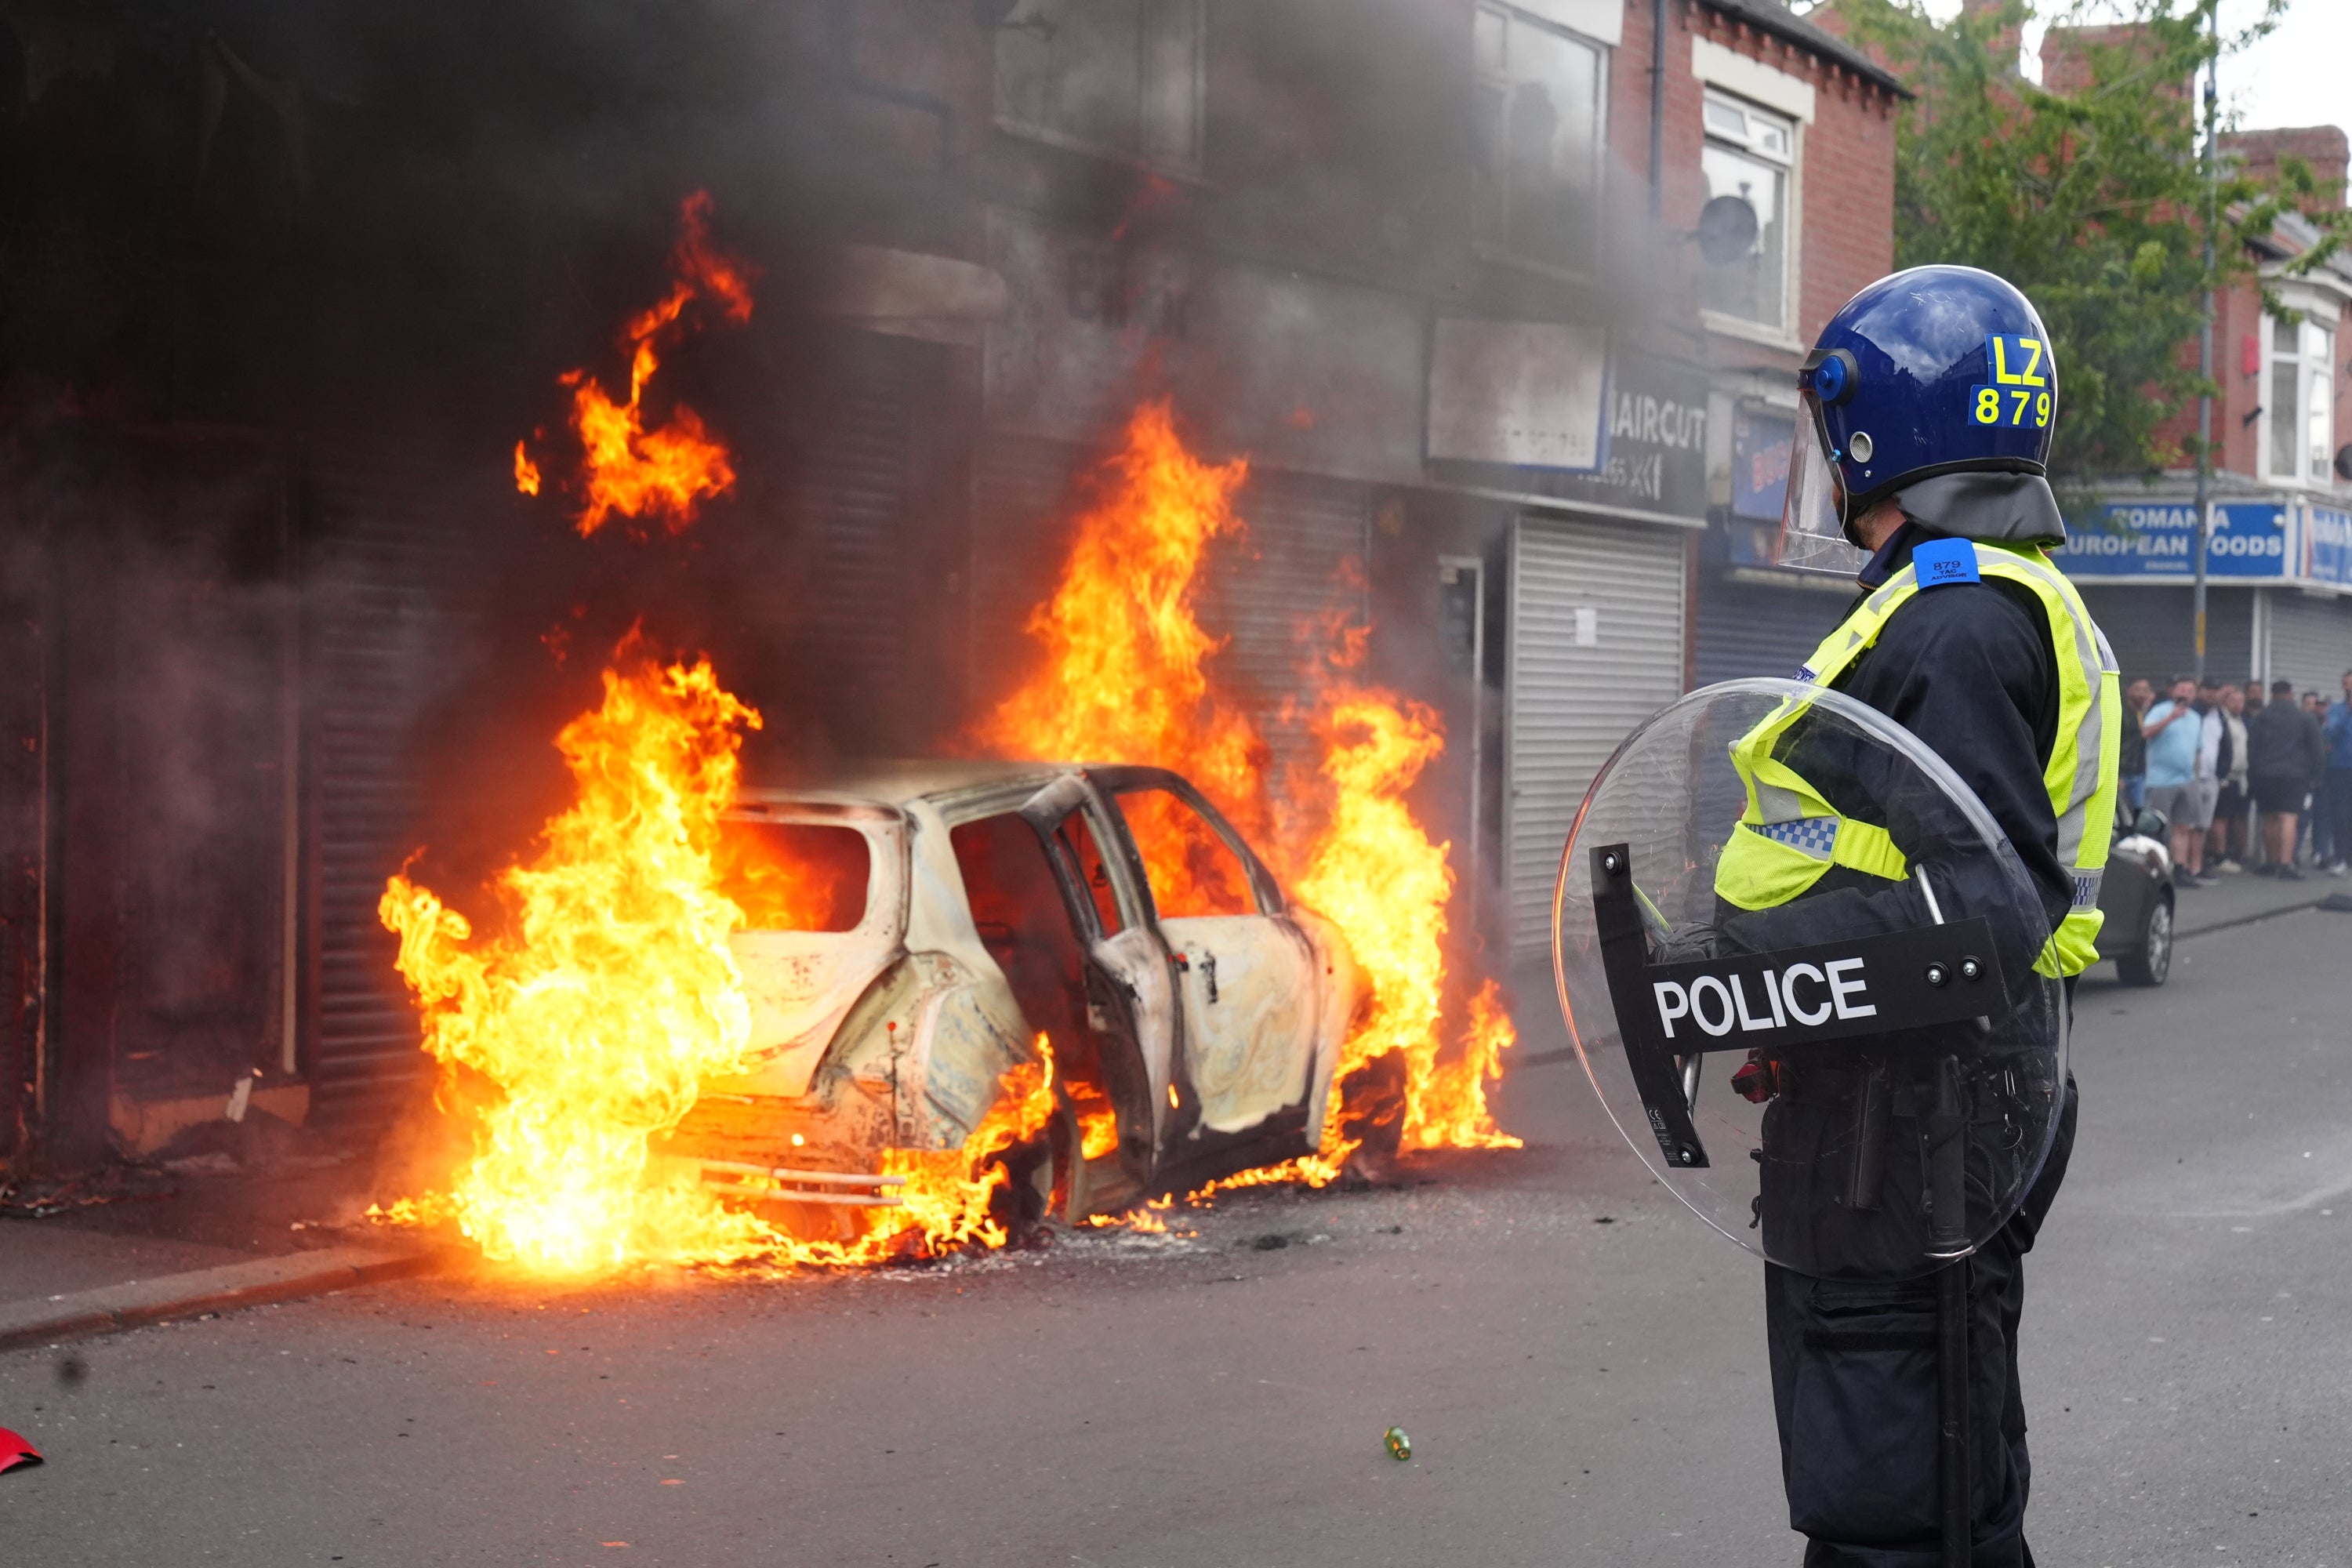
1812, 521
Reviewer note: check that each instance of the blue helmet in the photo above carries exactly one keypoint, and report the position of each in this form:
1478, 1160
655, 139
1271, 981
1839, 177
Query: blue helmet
1933, 371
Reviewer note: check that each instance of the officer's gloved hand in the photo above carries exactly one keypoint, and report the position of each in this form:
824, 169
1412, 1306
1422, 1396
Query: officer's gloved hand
1684, 943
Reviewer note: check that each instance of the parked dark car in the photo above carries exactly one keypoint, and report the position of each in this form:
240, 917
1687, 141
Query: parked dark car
2137, 896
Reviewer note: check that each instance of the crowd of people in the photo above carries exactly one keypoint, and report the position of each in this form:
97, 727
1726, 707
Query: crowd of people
2246, 783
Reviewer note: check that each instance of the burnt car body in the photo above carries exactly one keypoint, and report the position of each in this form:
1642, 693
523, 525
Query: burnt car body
966, 908
2137, 895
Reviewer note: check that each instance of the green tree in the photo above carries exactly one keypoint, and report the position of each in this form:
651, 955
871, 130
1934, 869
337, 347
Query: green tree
2093, 202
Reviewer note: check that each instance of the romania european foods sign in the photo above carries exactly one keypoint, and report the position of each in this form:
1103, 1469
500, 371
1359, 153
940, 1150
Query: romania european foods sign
2158, 540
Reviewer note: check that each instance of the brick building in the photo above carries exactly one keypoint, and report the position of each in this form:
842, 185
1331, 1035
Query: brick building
1507, 384
2279, 560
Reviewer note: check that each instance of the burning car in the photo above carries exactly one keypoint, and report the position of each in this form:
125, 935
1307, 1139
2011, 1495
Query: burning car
916, 933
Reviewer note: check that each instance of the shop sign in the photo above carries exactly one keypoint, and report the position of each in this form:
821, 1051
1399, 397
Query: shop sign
2158, 540
1760, 444
2328, 546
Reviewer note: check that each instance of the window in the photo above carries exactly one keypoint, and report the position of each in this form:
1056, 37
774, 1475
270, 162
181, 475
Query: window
1121, 77
795, 876
1075, 841
1194, 871
2302, 405
1751, 156
1538, 108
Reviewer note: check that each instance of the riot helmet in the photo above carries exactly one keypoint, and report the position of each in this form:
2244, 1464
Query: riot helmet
1937, 386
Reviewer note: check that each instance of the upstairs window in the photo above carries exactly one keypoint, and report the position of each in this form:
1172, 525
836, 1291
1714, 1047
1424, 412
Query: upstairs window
1538, 106
1750, 157
1117, 77
2302, 404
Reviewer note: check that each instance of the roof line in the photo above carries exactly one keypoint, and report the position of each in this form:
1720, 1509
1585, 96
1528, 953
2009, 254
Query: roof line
1767, 16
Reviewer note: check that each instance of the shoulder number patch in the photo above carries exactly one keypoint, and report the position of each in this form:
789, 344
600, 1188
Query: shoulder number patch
1942, 561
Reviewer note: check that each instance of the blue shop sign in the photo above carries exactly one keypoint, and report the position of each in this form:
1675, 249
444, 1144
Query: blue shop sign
2328, 546
2149, 539
1760, 445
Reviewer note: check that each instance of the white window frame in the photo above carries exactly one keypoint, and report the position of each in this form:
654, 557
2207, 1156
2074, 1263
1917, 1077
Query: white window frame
1728, 72
1586, 24
2323, 312
1191, 167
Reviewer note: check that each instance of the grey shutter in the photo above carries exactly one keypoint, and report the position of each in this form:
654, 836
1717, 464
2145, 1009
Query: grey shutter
1569, 707
1268, 594
2311, 641
1023, 497
1741, 629
858, 638
384, 567
2154, 630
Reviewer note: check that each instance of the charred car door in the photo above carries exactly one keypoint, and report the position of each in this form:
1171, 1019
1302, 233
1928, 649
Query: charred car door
1247, 978
1130, 1006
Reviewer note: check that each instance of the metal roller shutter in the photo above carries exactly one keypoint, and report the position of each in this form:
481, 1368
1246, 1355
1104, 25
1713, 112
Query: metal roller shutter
2154, 630
1571, 705
858, 537
2311, 641
1742, 628
385, 564
1023, 497
1268, 595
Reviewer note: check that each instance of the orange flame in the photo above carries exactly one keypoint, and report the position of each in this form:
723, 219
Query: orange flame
1128, 676
613, 995
1123, 678
668, 471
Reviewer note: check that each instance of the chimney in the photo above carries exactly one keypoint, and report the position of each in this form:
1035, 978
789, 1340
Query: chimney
2066, 58
2007, 44
2324, 147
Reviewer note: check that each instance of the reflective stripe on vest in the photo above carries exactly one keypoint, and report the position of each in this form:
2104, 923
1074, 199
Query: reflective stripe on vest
1790, 834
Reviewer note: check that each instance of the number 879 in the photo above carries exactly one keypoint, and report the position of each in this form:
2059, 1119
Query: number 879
2010, 405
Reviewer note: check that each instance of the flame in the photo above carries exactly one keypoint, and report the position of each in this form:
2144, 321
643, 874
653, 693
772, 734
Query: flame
611, 994
666, 471
1123, 674
1126, 674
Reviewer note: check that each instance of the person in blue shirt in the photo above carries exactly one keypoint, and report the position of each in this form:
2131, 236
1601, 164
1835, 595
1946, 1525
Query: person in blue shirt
2174, 731
2335, 790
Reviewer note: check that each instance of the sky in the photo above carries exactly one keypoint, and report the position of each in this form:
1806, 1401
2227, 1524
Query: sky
2299, 75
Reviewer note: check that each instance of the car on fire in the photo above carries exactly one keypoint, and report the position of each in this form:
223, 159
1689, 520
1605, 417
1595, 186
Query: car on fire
948, 914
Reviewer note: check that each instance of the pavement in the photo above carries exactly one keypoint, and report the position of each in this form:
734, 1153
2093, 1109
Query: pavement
2243, 896
1576, 1359
193, 1236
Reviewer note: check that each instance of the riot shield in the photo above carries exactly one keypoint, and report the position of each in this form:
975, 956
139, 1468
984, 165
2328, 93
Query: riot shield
1806, 974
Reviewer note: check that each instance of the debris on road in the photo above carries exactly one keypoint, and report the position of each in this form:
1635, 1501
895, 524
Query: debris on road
1399, 1445
16, 1452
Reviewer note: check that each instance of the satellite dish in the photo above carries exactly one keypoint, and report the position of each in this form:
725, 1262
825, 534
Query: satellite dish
2344, 462
1726, 230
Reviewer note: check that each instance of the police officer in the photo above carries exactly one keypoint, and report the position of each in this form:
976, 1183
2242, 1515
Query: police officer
1929, 404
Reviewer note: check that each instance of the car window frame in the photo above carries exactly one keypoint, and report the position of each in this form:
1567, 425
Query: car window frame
1264, 891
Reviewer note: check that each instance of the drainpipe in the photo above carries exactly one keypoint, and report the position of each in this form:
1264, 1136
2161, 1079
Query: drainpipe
2205, 340
1657, 105
841, 45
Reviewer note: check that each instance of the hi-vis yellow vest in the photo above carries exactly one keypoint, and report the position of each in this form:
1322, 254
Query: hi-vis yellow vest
1790, 835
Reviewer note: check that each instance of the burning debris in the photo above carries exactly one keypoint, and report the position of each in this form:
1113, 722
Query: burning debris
664, 472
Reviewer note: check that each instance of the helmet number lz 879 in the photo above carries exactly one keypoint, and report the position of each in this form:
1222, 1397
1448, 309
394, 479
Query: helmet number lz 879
2019, 391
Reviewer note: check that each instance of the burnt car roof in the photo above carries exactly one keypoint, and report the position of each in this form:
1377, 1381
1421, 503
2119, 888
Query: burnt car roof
898, 781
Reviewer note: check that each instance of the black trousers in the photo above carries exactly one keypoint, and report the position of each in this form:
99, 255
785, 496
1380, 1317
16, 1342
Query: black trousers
1853, 1387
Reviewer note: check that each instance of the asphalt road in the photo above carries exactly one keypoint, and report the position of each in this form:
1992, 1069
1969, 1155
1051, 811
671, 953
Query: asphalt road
1577, 1362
